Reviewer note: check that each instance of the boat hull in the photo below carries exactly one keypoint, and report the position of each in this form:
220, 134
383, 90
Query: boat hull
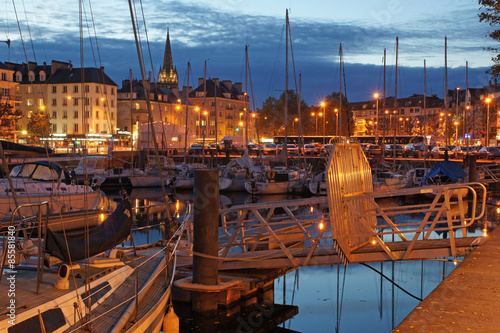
270, 187
147, 181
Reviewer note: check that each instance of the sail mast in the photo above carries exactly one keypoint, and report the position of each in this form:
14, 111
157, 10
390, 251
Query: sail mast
383, 106
286, 92
340, 93
187, 113
425, 112
131, 123
446, 92
204, 109
246, 97
395, 102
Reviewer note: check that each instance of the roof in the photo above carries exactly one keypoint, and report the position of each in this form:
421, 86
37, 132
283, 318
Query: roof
74, 75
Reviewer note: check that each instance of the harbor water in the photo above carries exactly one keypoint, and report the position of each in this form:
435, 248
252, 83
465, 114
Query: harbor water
372, 297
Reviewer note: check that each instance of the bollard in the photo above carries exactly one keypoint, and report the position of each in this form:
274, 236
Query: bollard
472, 168
205, 238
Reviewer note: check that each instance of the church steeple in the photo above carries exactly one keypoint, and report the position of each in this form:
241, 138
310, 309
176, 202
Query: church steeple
168, 74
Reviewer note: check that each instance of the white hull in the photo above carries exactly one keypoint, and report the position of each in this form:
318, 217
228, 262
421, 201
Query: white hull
147, 181
232, 185
184, 184
271, 187
317, 188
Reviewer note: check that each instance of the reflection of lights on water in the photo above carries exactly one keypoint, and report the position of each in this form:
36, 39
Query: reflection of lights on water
498, 210
454, 262
312, 209
321, 225
102, 217
374, 242
485, 232
177, 205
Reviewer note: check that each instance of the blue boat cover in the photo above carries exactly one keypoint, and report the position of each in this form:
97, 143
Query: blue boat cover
113, 231
452, 170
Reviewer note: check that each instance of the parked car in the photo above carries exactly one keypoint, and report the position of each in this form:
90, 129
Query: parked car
373, 150
326, 149
196, 148
292, 149
438, 152
389, 150
461, 151
416, 150
269, 149
310, 149
490, 153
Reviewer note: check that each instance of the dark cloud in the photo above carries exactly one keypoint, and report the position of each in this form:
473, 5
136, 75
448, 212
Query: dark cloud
199, 33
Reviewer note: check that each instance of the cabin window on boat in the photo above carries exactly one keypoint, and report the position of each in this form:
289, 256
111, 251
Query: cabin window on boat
44, 173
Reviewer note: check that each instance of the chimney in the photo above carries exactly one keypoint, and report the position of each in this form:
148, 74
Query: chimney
102, 69
228, 84
200, 81
216, 81
238, 86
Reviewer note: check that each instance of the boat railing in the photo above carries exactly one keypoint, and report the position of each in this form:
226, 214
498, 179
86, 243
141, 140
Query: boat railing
489, 173
10, 238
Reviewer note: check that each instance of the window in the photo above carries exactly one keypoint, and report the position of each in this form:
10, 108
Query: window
75, 128
29, 102
54, 114
87, 101
97, 115
212, 113
65, 114
4, 76
75, 89
31, 77
29, 90
137, 106
65, 89
87, 114
54, 128
75, 101
54, 101
112, 91
54, 89
30, 113
97, 102
65, 128
75, 114
65, 102
113, 103
212, 123
97, 89
97, 128
19, 77
42, 77
211, 132
87, 89
112, 115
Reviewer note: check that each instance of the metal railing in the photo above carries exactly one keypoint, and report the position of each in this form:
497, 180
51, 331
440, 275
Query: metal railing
488, 173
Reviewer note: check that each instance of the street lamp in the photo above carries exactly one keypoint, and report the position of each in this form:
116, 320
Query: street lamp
376, 95
337, 122
296, 120
321, 115
488, 100
314, 115
456, 132
323, 105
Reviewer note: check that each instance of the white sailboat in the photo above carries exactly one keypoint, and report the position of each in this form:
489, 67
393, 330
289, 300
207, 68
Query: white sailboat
278, 180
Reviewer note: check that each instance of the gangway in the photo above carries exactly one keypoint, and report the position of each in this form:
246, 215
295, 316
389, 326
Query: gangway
353, 224
488, 173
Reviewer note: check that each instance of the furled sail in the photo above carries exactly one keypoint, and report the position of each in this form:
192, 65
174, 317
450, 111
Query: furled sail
113, 231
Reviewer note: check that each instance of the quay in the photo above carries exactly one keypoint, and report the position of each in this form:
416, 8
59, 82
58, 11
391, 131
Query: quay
468, 300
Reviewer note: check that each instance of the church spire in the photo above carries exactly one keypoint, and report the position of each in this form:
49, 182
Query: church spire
168, 74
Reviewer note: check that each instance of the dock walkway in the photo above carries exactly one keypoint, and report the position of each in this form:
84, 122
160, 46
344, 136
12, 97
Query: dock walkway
468, 300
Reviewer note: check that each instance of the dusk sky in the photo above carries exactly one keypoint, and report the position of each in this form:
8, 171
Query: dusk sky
217, 31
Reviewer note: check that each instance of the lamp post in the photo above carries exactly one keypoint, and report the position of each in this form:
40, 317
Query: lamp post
376, 95
296, 120
456, 132
314, 115
323, 105
337, 122
488, 100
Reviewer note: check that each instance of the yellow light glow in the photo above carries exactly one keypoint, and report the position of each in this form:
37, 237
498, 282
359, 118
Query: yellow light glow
253, 114
320, 114
205, 113
69, 97
25, 132
485, 232
42, 107
312, 209
323, 104
102, 99
488, 100
103, 217
321, 226
336, 110
296, 119
454, 262
498, 210
313, 114
177, 205
376, 95
241, 123
374, 242
178, 107
197, 109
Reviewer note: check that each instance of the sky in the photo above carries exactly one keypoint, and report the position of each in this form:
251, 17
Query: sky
217, 31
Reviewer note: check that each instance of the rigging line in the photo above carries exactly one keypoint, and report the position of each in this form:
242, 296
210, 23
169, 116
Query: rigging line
137, 26
29, 30
392, 281
40, 34
90, 36
277, 58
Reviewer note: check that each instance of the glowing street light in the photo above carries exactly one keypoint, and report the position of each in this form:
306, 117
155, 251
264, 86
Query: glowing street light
376, 95
314, 115
456, 132
487, 100
337, 121
323, 105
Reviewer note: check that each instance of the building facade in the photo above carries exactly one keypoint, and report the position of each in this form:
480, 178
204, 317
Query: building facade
8, 103
81, 103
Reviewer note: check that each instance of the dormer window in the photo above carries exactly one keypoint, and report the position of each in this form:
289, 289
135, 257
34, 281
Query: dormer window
31, 76
19, 77
42, 76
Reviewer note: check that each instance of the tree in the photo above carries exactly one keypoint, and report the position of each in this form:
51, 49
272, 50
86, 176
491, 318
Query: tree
39, 125
490, 13
8, 117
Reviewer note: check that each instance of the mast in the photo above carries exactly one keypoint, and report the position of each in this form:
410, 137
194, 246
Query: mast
204, 109
395, 102
445, 92
425, 110
246, 96
299, 126
383, 105
131, 123
286, 93
340, 93
466, 107
187, 113
215, 108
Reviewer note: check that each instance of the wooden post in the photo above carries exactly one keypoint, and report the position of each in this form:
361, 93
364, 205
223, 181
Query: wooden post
205, 237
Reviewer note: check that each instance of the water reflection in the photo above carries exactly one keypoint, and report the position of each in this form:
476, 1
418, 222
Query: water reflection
352, 299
